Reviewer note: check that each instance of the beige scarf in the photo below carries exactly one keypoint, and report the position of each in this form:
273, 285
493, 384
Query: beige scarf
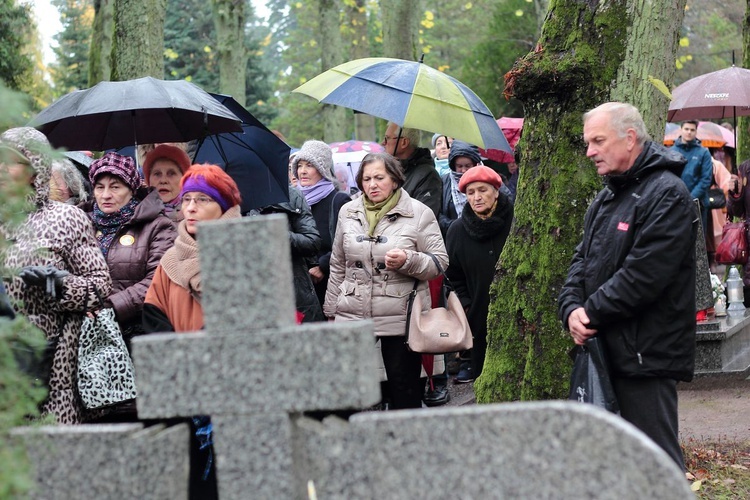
181, 261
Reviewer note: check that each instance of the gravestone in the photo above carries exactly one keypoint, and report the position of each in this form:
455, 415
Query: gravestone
255, 372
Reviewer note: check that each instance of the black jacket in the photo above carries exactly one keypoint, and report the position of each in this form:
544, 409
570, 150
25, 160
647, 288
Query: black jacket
473, 246
305, 240
326, 215
634, 271
422, 180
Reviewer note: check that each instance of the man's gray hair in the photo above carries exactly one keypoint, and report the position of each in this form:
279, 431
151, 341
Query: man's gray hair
414, 135
622, 116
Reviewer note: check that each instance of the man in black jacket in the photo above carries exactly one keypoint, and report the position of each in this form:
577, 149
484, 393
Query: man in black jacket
632, 278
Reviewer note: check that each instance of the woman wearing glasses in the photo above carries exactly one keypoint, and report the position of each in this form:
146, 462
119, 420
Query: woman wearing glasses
173, 302
133, 234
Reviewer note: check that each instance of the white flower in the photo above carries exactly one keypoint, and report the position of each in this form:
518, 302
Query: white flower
716, 287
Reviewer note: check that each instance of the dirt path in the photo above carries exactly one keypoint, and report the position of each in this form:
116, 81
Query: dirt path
714, 408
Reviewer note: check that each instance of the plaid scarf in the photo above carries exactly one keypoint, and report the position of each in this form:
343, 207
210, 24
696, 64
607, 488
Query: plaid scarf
107, 225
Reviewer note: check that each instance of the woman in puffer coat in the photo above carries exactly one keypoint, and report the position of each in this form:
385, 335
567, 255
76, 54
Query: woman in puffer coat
133, 234
61, 266
382, 245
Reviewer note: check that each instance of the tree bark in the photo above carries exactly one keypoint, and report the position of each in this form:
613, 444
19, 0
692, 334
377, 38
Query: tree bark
742, 127
364, 125
331, 54
138, 48
100, 52
577, 65
400, 28
229, 19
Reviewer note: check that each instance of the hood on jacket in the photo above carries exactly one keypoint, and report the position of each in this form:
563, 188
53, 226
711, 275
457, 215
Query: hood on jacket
654, 157
34, 146
461, 148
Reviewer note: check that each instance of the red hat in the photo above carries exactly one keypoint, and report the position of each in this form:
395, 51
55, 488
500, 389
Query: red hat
480, 173
166, 152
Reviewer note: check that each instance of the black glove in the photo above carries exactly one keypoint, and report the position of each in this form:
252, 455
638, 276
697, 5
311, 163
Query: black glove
48, 277
5, 308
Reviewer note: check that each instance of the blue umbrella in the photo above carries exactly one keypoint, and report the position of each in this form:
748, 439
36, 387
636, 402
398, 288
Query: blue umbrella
256, 159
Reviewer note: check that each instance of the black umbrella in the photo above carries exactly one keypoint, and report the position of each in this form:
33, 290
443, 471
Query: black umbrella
147, 110
256, 159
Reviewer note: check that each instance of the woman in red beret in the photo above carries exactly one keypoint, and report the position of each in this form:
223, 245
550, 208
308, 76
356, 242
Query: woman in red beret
474, 242
163, 169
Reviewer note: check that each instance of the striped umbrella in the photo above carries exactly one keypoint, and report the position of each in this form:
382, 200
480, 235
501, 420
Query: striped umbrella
410, 94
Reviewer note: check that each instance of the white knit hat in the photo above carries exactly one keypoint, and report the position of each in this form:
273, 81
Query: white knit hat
319, 155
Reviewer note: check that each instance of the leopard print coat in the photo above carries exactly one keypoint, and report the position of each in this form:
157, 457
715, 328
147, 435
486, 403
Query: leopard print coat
59, 235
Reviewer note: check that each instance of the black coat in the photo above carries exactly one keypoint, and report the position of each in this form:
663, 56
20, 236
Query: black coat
634, 271
422, 180
305, 240
474, 245
326, 215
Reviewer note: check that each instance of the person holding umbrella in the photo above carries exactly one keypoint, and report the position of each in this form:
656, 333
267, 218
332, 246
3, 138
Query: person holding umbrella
422, 181
56, 286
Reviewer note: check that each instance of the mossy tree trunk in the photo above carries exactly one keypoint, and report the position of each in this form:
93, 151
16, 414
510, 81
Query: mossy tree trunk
138, 48
229, 19
742, 131
331, 54
578, 64
364, 125
100, 50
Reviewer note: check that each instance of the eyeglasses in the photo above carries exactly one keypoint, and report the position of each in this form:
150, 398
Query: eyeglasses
387, 139
201, 201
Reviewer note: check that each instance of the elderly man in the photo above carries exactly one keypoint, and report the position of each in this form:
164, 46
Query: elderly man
422, 180
632, 278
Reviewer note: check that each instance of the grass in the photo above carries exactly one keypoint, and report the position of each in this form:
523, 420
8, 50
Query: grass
721, 468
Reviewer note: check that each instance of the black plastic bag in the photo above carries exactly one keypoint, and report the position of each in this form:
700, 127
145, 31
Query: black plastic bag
590, 381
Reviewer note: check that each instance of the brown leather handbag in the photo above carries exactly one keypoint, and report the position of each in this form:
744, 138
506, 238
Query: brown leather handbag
439, 330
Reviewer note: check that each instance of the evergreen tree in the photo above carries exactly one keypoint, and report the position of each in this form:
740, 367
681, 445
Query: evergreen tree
70, 71
16, 65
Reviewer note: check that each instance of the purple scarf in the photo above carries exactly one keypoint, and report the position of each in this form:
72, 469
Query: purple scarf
107, 225
313, 194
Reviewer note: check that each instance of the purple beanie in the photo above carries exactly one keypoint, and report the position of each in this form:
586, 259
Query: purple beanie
199, 184
118, 165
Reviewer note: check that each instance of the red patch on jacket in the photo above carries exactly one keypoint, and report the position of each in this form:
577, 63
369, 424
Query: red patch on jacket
622, 226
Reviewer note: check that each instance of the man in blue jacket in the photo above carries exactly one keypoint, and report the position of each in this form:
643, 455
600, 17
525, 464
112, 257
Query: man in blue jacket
698, 171
632, 278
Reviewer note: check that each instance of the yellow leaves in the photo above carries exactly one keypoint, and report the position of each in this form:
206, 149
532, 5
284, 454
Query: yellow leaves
696, 486
426, 49
428, 15
678, 64
444, 68
519, 13
266, 41
206, 49
298, 5
313, 43
379, 39
684, 42
468, 6
660, 86
170, 54
429, 20
260, 102
188, 78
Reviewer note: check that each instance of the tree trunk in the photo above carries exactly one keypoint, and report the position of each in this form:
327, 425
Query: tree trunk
573, 68
229, 19
742, 127
400, 28
331, 54
138, 48
100, 52
364, 125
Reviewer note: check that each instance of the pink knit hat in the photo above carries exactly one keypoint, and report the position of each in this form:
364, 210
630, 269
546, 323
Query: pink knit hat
166, 152
118, 165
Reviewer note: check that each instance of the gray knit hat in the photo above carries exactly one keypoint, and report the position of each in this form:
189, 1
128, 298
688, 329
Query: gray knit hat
319, 155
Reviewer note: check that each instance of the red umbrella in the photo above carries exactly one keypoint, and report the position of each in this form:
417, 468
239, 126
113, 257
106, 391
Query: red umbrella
511, 128
710, 134
718, 95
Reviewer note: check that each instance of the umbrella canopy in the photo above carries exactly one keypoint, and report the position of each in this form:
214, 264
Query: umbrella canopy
147, 110
710, 134
365, 146
718, 95
255, 158
410, 94
511, 128
347, 157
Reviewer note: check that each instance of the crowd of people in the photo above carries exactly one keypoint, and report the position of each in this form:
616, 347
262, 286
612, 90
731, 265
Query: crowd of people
126, 238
